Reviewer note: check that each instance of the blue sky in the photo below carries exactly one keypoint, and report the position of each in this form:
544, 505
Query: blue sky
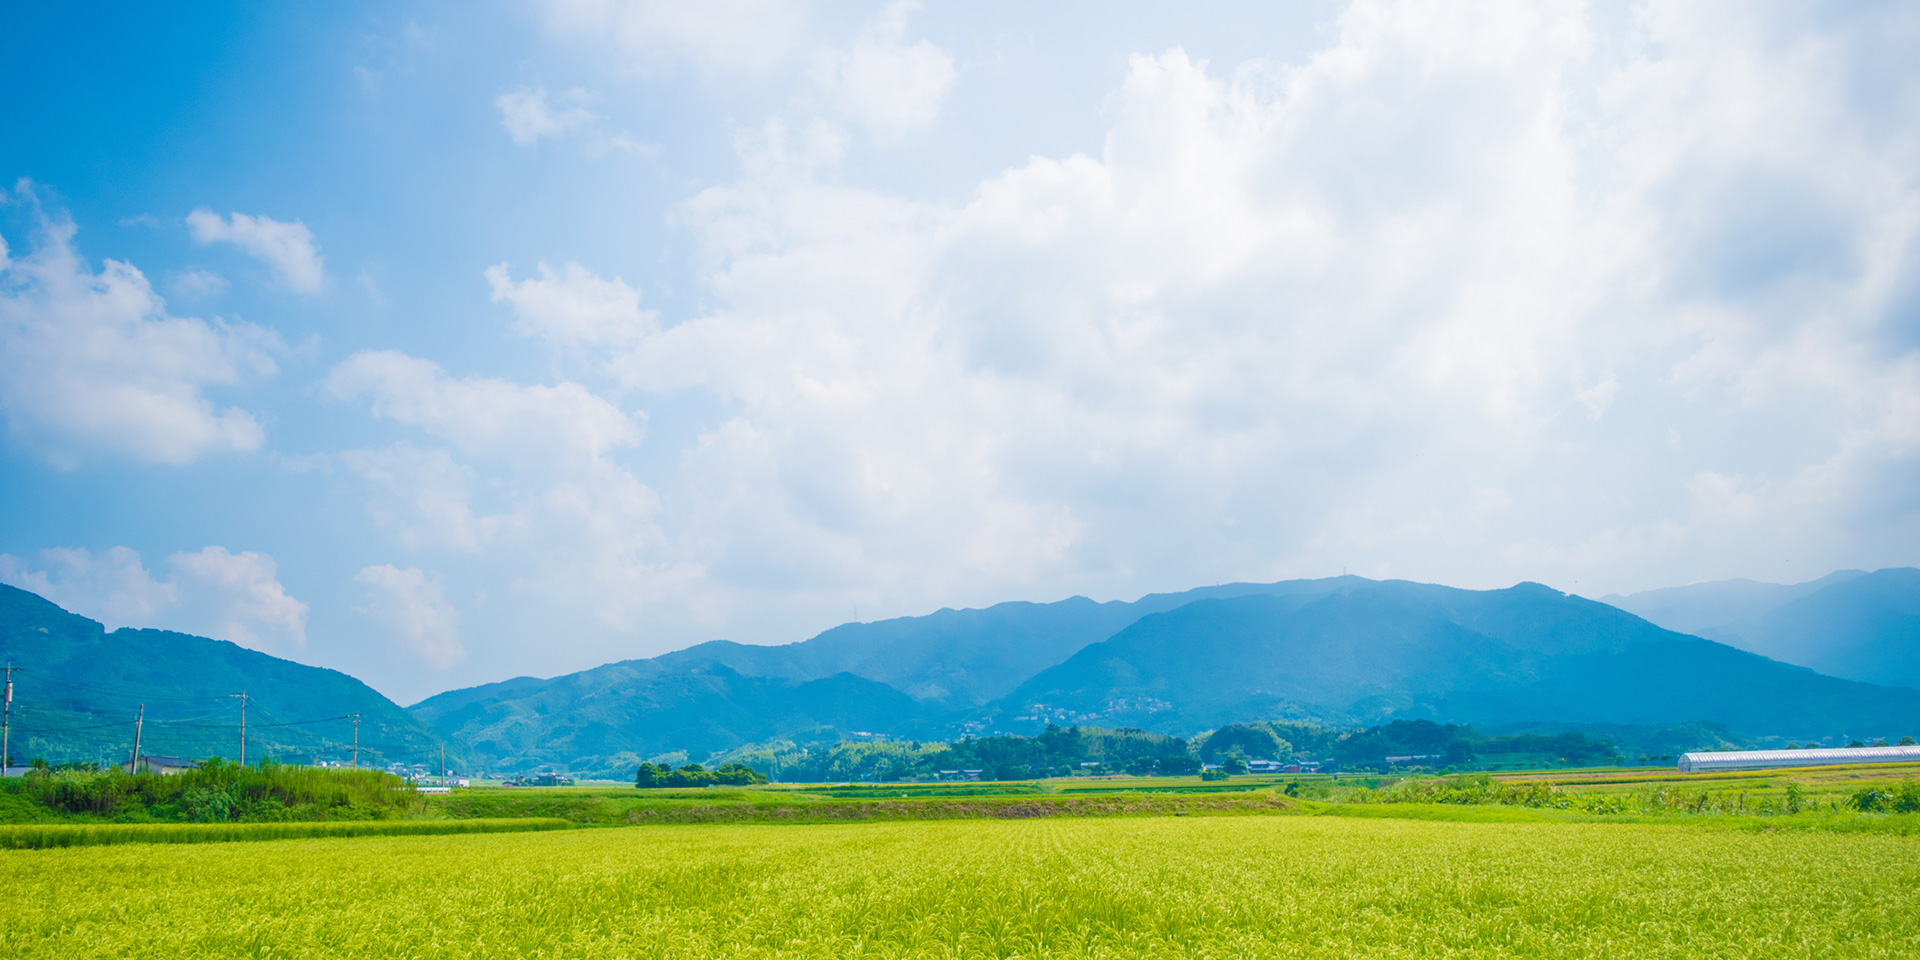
441, 343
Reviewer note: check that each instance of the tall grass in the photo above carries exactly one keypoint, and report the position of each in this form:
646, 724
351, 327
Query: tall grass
42, 836
214, 792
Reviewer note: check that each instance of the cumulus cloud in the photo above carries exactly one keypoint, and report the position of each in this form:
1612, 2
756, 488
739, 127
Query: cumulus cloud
881, 80
413, 608
212, 592
721, 35
573, 308
1476, 293
92, 364
287, 248
527, 114
527, 473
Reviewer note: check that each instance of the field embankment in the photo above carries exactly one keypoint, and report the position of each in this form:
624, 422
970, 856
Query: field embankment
1242, 887
42, 836
632, 807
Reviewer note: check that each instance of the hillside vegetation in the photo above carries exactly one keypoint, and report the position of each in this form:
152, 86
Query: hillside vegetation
1401, 649
78, 689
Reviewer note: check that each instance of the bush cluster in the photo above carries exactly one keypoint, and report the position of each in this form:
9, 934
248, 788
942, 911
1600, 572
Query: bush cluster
694, 775
1903, 799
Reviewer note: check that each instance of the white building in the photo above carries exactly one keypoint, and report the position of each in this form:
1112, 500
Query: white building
1765, 759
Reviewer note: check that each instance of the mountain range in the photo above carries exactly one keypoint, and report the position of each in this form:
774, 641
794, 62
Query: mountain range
1342, 650
1852, 624
1345, 651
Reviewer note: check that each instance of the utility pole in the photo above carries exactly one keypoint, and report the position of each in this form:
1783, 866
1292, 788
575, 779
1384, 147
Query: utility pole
138, 722
243, 725
356, 741
6, 726
443, 764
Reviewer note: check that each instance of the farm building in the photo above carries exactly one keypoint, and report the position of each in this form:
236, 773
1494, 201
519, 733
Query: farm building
1763, 759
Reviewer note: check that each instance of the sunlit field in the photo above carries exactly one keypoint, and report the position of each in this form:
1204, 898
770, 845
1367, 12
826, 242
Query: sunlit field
1117, 887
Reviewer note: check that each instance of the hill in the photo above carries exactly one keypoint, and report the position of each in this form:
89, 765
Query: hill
1404, 650
78, 687
1861, 626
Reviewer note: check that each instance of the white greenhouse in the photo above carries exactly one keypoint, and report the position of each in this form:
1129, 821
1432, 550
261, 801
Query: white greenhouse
1763, 759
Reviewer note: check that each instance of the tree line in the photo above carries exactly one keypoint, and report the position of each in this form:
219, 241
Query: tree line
1078, 751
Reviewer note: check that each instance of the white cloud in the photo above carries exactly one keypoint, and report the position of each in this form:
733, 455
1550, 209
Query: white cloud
212, 592
880, 80
195, 283
413, 607
113, 588
92, 364
527, 114
286, 247
573, 308
1435, 295
534, 425
745, 36
578, 528
422, 497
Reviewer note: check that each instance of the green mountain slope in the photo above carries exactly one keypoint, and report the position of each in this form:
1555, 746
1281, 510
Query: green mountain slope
1860, 626
605, 721
77, 689
1405, 650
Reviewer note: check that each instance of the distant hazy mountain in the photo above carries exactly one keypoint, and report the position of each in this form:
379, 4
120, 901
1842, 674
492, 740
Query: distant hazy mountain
1861, 626
79, 687
1408, 650
911, 671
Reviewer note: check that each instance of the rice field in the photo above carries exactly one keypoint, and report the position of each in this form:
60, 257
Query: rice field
1227, 887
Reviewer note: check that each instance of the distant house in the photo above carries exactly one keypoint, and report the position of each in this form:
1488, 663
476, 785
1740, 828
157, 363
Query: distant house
164, 766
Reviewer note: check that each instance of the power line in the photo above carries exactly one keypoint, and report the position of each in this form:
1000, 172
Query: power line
108, 690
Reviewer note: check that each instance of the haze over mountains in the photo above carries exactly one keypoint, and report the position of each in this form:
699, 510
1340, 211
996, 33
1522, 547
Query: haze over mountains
1340, 651
1852, 624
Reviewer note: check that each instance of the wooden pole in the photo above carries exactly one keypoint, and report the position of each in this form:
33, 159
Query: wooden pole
138, 722
243, 726
356, 741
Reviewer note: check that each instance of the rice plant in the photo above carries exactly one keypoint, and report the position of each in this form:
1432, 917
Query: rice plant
1194, 887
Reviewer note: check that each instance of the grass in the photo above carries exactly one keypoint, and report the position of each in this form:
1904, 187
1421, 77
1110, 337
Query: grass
50, 835
1238, 887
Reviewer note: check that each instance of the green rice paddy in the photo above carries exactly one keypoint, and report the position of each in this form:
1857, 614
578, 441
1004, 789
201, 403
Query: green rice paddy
1222, 886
